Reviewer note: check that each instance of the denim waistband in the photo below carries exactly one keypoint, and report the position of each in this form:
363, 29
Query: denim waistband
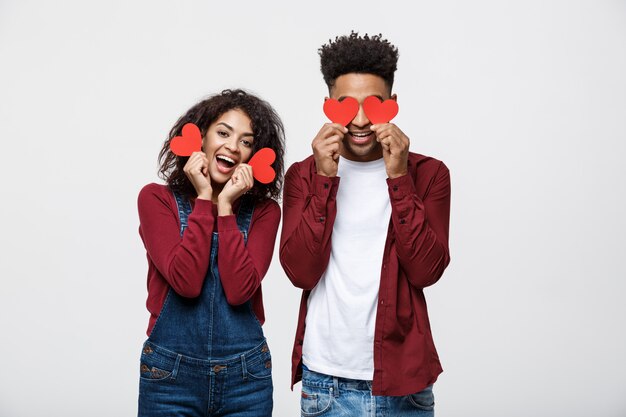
317, 379
162, 354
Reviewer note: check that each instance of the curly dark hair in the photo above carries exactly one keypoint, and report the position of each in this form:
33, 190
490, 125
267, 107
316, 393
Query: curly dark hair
361, 54
267, 129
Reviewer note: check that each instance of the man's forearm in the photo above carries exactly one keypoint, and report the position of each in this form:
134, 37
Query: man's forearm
421, 227
309, 211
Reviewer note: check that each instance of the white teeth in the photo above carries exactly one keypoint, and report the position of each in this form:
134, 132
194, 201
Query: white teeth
360, 135
225, 158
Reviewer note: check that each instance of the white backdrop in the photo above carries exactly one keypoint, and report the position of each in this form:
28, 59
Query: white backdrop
525, 102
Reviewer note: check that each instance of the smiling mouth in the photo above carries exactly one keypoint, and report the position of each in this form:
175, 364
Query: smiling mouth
224, 163
361, 137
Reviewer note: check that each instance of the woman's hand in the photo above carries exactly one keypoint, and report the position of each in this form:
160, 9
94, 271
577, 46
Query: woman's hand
197, 170
241, 181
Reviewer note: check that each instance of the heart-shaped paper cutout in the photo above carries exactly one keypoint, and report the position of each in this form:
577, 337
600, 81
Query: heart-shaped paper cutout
341, 112
379, 112
189, 142
261, 165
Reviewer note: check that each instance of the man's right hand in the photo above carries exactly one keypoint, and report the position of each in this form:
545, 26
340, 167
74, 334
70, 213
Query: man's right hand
327, 147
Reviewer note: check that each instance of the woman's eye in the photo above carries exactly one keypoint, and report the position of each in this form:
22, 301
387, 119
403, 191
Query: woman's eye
246, 143
222, 133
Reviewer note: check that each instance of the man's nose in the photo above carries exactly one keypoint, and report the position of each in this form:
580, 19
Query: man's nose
360, 120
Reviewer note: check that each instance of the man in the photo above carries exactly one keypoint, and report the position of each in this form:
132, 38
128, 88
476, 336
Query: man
365, 230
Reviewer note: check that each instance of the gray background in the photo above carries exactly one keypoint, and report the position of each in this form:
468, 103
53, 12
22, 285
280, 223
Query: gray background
525, 102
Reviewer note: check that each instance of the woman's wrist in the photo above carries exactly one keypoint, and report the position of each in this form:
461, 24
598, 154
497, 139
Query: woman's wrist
224, 208
205, 195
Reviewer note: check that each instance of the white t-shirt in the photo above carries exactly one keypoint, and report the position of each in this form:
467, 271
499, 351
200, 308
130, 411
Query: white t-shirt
341, 315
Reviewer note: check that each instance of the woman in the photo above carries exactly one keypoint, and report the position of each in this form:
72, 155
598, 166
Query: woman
209, 236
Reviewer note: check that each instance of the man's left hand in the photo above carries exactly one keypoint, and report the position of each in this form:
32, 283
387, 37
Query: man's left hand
395, 148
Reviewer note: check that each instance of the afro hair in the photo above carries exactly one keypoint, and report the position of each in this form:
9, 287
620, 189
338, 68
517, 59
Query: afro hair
361, 54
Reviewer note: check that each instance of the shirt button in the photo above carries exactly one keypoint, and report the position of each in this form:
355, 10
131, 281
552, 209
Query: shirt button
382, 302
322, 218
325, 185
395, 188
402, 221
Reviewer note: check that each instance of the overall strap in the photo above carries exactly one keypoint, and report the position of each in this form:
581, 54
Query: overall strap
184, 208
244, 216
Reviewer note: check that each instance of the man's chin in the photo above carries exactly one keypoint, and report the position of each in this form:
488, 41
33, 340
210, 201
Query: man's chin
369, 152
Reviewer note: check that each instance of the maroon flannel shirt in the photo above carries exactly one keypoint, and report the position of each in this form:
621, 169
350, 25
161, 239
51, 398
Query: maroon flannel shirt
416, 254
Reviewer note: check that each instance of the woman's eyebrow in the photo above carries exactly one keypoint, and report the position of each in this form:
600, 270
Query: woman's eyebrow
232, 130
225, 125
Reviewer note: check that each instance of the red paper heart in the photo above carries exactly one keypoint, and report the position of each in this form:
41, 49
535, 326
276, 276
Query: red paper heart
378, 112
189, 142
260, 163
341, 112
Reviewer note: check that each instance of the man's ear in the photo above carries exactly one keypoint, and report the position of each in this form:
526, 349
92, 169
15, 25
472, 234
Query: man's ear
394, 97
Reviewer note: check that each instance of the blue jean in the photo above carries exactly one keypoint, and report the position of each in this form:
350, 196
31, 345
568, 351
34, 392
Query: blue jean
205, 357
176, 385
328, 396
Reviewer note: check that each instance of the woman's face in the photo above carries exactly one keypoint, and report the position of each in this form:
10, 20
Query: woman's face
228, 143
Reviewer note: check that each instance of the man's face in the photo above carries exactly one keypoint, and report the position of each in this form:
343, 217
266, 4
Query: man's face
360, 144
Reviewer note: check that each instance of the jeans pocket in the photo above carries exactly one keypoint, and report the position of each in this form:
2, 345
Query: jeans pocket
155, 367
260, 368
423, 400
152, 373
315, 401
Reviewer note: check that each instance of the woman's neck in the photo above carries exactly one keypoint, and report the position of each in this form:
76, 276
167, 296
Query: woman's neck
217, 189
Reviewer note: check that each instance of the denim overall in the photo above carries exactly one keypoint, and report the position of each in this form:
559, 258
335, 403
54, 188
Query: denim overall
205, 357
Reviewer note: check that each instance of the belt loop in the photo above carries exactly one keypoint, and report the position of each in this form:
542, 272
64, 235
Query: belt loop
244, 370
176, 365
335, 387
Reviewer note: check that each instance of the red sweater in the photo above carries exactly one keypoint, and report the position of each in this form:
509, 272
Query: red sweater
182, 264
415, 256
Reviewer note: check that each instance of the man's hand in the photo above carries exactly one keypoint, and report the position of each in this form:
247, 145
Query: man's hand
327, 148
395, 146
